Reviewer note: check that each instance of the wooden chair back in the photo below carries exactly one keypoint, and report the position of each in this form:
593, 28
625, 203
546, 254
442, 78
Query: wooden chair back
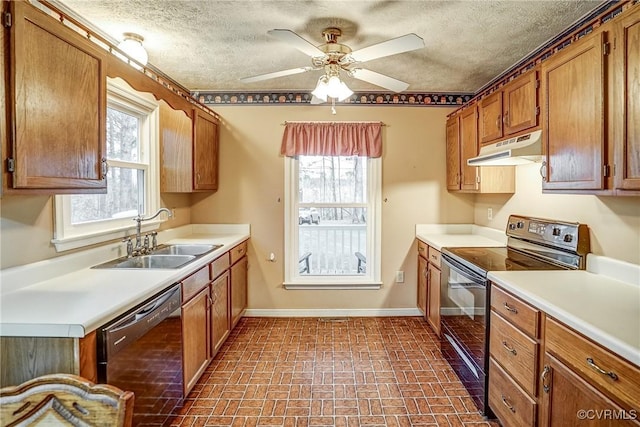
64, 399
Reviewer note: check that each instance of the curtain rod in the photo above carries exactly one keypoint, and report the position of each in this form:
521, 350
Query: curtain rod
334, 122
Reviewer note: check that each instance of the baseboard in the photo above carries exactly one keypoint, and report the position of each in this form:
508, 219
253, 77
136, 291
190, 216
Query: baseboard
333, 312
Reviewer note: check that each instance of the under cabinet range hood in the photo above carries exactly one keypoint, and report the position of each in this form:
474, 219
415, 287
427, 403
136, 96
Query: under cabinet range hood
518, 150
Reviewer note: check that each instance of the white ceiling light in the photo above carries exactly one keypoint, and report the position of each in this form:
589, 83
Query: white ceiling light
132, 46
330, 86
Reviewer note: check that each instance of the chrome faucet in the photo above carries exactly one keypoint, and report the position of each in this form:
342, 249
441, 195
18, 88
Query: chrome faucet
142, 248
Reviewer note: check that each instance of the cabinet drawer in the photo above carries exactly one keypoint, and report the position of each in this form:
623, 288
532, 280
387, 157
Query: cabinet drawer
517, 312
194, 283
510, 403
219, 265
422, 249
516, 352
434, 256
238, 252
619, 379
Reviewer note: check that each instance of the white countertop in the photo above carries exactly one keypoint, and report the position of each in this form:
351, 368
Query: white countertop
71, 302
440, 236
601, 308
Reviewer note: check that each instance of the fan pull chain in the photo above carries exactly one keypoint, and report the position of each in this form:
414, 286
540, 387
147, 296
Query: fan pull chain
333, 106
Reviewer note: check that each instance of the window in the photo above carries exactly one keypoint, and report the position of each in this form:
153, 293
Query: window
332, 222
132, 183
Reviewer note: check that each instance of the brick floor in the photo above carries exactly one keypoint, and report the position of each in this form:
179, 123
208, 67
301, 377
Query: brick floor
330, 372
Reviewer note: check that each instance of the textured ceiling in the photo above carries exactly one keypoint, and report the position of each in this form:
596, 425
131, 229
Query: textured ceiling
210, 45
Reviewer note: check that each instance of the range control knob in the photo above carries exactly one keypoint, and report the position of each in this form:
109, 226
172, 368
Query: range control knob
568, 238
556, 231
520, 224
512, 226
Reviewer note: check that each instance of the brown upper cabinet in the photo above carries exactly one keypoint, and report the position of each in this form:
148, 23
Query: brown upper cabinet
462, 144
57, 103
512, 109
573, 87
626, 98
188, 151
205, 151
591, 111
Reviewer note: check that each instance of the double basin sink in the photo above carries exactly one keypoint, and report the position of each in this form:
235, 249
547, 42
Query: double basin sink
163, 257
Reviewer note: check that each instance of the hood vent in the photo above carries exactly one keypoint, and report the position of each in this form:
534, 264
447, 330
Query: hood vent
518, 150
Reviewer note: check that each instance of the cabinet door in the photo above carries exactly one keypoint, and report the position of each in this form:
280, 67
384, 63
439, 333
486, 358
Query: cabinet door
433, 310
59, 105
453, 153
626, 95
566, 400
176, 152
520, 104
219, 311
468, 147
423, 271
238, 290
205, 151
573, 126
195, 338
490, 113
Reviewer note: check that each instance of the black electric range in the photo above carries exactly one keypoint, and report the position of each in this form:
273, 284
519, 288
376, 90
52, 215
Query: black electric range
465, 292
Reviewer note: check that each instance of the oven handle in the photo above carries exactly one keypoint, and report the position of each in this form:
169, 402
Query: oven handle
466, 272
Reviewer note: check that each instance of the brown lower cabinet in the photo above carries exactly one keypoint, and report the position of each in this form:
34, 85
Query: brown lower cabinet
220, 325
428, 295
195, 338
238, 290
570, 400
214, 300
576, 383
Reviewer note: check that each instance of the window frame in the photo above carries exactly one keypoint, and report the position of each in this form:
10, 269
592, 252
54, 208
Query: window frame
292, 277
71, 236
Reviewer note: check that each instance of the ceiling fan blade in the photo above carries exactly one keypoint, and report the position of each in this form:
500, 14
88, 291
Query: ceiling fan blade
273, 75
390, 47
379, 79
296, 41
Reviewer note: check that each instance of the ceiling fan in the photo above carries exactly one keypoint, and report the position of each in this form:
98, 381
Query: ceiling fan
336, 58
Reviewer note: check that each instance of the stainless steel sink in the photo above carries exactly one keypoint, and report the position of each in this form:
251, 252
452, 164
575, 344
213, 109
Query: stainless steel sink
163, 257
185, 249
152, 261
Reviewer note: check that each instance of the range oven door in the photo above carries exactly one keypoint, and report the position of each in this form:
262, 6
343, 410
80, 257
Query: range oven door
464, 305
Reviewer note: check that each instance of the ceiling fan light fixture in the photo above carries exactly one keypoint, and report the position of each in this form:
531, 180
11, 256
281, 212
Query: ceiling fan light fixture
322, 89
132, 46
331, 87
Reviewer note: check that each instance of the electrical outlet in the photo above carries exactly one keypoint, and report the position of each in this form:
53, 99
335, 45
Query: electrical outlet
399, 276
489, 214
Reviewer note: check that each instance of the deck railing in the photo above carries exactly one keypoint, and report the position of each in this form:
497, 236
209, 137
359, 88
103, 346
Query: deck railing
333, 247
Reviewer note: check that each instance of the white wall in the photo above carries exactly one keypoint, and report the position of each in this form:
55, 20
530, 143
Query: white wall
252, 191
614, 222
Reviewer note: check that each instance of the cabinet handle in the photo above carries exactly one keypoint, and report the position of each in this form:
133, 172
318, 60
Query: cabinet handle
507, 404
505, 119
511, 309
543, 378
105, 168
499, 121
597, 368
420, 248
543, 170
434, 257
197, 176
509, 349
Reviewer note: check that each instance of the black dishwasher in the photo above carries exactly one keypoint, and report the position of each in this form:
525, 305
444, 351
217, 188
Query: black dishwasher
141, 351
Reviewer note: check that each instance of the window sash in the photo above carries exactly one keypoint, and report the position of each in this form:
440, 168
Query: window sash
372, 278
